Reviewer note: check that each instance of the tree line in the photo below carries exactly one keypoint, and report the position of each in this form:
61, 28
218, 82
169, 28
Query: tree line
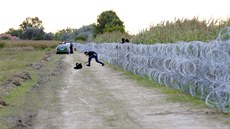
32, 29
110, 28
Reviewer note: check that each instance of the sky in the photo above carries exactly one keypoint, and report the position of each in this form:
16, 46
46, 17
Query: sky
137, 15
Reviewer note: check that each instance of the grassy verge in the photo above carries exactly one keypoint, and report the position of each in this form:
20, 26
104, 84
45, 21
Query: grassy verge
176, 96
28, 44
26, 100
15, 96
12, 62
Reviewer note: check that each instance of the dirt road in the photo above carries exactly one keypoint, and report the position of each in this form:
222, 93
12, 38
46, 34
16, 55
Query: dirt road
99, 97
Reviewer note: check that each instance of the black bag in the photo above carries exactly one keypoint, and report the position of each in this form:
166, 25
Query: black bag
78, 66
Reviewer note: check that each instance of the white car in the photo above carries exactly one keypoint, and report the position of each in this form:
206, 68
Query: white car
62, 49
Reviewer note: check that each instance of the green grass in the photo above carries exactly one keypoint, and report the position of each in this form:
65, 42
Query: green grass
15, 56
12, 62
26, 99
16, 96
35, 44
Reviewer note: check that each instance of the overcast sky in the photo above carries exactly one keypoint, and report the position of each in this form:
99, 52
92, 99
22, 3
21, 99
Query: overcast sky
137, 15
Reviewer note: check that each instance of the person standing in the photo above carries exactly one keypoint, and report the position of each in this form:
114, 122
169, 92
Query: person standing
123, 40
91, 55
71, 48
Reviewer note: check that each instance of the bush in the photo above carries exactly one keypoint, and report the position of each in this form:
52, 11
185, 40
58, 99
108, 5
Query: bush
80, 38
4, 38
2, 45
111, 37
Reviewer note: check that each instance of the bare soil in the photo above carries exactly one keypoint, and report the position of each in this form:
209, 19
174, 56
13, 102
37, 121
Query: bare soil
99, 97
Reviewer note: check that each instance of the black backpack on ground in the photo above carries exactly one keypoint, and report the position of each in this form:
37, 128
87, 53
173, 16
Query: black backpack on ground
78, 66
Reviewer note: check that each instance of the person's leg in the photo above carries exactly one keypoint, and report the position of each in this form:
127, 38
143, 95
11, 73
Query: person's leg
71, 48
98, 61
89, 60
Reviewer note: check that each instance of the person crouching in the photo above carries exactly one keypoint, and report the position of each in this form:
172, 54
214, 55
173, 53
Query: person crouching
92, 54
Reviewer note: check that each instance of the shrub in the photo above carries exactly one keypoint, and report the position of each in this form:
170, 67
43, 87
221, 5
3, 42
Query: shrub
80, 38
2, 45
110, 37
5, 38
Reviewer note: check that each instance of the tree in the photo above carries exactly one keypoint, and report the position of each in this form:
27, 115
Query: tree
31, 22
32, 28
108, 21
85, 33
65, 34
48, 36
33, 33
14, 32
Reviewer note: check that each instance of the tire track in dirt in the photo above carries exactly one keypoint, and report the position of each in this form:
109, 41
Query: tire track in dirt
99, 97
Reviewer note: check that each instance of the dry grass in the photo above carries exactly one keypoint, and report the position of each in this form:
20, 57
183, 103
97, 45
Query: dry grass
29, 44
16, 55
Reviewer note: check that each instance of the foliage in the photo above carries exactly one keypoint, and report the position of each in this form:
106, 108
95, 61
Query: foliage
2, 44
14, 32
80, 38
108, 21
4, 38
30, 28
33, 33
48, 36
171, 32
110, 37
84, 33
41, 44
64, 34
108, 25
31, 22
181, 30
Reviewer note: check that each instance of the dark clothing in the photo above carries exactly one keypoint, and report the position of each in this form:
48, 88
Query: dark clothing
71, 48
78, 66
122, 40
92, 55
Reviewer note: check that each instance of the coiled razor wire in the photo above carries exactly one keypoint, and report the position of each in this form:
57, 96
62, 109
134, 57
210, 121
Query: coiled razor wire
197, 68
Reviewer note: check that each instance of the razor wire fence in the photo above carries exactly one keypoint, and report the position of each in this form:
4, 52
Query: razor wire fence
197, 68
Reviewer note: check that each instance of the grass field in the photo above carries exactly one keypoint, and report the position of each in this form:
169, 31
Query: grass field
17, 57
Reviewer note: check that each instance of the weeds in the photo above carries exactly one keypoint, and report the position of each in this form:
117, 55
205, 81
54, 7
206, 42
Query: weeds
41, 45
171, 32
2, 45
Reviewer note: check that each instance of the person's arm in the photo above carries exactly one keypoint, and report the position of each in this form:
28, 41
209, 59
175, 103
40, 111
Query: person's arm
95, 53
